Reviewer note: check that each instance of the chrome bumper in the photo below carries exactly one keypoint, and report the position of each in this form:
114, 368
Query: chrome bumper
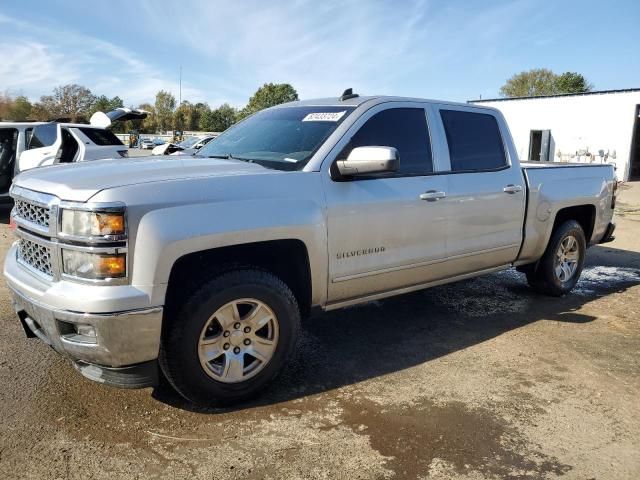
120, 338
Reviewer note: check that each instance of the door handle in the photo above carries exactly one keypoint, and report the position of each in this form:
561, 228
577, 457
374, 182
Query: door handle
432, 195
512, 189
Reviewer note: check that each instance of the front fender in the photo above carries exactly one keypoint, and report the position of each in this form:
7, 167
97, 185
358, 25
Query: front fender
165, 235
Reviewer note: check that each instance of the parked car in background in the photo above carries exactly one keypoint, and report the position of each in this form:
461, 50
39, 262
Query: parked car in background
188, 147
56, 142
14, 139
194, 146
146, 144
203, 269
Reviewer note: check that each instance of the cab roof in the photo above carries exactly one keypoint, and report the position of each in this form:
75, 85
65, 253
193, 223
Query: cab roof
361, 100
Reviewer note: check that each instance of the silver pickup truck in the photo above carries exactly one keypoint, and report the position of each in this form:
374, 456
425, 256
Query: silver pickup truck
199, 269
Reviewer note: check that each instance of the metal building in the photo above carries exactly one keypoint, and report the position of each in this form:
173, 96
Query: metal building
593, 127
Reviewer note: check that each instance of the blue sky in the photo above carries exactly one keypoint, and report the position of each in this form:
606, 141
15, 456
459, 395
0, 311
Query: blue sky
455, 50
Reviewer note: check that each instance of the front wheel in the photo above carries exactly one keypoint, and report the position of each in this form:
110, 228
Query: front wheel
231, 337
560, 267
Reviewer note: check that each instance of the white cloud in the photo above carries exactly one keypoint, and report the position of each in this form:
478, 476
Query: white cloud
231, 48
42, 58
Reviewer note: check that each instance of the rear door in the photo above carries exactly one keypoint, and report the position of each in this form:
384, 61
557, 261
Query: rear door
485, 191
45, 142
381, 234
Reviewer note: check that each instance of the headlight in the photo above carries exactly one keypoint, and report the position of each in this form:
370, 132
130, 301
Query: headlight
94, 266
81, 223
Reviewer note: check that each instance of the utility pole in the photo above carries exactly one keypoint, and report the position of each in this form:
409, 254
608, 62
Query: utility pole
180, 95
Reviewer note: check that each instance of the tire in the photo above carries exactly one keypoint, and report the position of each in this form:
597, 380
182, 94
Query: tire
552, 276
206, 325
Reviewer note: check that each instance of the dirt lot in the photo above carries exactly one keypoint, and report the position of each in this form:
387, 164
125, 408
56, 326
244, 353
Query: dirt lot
478, 380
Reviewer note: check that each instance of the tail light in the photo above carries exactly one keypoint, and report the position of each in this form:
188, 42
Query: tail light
613, 195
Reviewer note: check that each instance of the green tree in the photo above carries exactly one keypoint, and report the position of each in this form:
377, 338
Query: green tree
40, 112
268, 95
572, 82
149, 124
106, 104
539, 81
164, 107
72, 101
219, 119
195, 114
20, 109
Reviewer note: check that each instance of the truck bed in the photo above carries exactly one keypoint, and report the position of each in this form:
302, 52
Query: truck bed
552, 187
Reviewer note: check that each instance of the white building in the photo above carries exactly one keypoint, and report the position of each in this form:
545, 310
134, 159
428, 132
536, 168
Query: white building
589, 127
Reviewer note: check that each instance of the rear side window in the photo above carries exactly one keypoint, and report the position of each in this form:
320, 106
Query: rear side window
100, 136
474, 141
402, 128
44, 135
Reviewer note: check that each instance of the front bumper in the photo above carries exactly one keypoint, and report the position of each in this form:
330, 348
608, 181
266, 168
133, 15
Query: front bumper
118, 326
121, 338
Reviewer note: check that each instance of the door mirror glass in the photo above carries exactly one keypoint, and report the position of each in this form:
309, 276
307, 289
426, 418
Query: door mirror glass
369, 160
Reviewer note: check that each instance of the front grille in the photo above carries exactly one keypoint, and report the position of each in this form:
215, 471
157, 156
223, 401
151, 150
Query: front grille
35, 256
32, 213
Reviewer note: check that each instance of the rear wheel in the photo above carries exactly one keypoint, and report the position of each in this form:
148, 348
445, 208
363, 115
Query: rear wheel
231, 337
560, 267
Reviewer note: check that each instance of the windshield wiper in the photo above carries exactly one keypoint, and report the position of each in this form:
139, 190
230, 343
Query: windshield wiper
230, 156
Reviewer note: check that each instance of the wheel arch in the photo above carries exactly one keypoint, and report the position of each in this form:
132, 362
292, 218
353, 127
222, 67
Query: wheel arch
288, 259
585, 215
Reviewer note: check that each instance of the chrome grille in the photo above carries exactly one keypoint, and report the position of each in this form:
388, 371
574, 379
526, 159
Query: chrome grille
32, 213
35, 256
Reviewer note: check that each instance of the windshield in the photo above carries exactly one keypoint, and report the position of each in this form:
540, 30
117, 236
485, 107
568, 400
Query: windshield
282, 138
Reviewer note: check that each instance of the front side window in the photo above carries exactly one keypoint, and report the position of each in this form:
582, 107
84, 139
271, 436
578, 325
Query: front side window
474, 141
44, 135
283, 138
402, 128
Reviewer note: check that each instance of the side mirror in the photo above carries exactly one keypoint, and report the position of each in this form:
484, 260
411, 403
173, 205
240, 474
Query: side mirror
368, 160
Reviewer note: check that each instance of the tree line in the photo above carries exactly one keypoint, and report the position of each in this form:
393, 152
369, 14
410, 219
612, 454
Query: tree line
77, 103
542, 81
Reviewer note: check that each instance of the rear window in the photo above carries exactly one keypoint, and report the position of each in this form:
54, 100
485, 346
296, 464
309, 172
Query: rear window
100, 136
44, 135
474, 141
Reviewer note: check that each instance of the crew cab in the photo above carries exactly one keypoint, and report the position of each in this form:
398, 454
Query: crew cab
199, 269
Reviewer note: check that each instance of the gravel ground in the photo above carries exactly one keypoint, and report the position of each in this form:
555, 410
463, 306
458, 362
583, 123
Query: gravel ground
482, 379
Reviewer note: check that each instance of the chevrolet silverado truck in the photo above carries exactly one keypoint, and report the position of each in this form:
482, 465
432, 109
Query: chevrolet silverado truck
197, 270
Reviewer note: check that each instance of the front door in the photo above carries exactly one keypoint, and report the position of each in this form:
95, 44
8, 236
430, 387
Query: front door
384, 233
45, 142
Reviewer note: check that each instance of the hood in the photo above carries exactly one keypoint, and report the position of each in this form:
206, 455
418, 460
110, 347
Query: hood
78, 182
101, 119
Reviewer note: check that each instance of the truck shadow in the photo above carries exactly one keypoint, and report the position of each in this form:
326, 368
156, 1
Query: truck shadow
348, 346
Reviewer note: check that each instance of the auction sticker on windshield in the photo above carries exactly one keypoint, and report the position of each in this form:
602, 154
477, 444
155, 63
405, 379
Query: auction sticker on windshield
324, 116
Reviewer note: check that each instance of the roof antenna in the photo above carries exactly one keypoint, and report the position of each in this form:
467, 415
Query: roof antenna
347, 94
